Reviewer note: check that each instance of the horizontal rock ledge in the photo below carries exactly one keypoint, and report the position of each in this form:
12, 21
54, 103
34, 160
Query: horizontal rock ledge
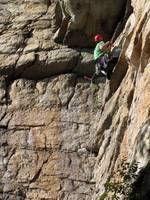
43, 64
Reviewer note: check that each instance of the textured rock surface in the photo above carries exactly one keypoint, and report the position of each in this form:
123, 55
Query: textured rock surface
28, 27
27, 48
60, 138
123, 130
80, 20
45, 130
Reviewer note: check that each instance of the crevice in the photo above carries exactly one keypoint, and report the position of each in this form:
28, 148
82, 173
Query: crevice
79, 180
4, 127
124, 15
12, 152
73, 122
70, 98
60, 34
130, 99
28, 126
140, 189
7, 96
23, 68
27, 35
37, 149
37, 174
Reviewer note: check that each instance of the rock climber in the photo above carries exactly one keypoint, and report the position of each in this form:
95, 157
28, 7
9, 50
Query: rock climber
101, 55
105, 57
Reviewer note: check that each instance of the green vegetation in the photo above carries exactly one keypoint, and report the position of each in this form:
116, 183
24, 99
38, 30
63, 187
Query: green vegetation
120, 186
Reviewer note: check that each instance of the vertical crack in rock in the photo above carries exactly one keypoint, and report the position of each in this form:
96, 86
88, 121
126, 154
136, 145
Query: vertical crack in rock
122, 19
37, 174
73, 92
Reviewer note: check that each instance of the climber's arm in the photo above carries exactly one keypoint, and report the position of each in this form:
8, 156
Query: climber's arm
106, 46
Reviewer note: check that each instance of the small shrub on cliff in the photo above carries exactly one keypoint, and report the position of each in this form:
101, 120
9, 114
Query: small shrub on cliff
122, 188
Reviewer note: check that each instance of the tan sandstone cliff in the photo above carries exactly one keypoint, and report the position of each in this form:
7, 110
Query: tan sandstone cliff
60, 137
123, 130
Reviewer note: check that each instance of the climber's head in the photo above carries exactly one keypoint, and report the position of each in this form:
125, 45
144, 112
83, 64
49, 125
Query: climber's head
98, 38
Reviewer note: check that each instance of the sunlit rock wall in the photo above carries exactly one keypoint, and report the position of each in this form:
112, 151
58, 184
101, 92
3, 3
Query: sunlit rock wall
123, 130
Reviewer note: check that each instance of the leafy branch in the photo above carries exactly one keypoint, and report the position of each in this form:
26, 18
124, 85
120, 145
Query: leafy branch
121, 184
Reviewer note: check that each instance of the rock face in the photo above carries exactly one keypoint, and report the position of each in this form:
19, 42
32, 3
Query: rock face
45, 130
80, 20
27, 48
123, 130
60, 137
